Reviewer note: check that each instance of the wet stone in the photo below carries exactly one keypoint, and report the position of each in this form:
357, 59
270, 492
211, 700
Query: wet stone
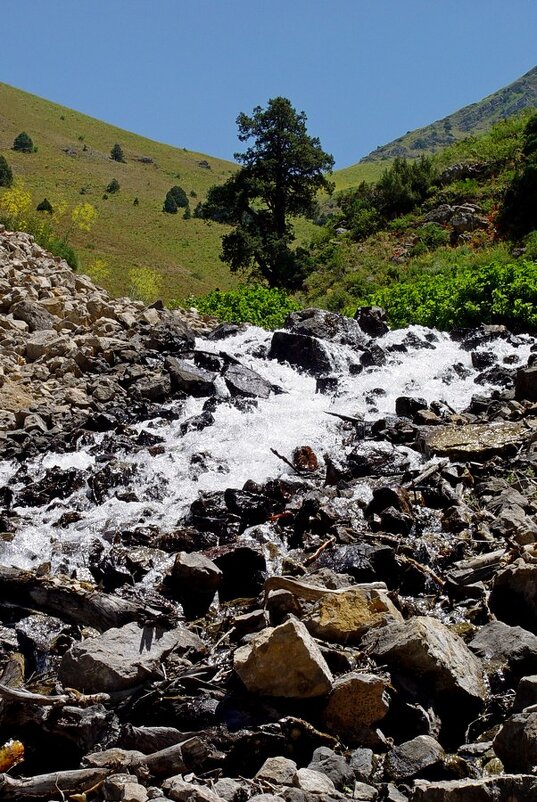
412, 758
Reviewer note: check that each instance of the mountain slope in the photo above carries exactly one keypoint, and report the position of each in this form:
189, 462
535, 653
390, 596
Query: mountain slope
72, 164
473, 119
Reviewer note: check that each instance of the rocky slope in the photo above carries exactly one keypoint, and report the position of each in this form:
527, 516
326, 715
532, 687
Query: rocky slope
360, 622
468, 121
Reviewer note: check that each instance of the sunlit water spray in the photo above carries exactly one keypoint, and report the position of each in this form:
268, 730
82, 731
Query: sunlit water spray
237, 446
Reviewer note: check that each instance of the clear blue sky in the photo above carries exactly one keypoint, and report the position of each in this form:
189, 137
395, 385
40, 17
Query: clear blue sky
364, 71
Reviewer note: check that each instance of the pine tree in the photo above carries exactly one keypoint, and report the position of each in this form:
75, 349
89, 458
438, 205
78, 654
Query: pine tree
23, 143
117, 154
6, 174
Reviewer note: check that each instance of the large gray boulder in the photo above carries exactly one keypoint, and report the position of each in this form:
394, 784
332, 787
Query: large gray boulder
506, 647
124, 657
427, 651
283, 661
507, 788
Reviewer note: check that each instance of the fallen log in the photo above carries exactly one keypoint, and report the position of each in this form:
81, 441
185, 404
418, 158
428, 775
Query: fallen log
50, 786
72, 697
68, 599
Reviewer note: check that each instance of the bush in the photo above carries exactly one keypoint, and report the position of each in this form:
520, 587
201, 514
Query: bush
113, 186
170, 205
117, 154
428, 238
179, 196
187, 214
493, 293
23, 143
44, 206
531, 246
6, 175
254, 304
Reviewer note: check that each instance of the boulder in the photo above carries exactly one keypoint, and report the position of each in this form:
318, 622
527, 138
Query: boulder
314, 782
189, 379
300, 350
526, 384
242, 381
506, 647
526, 693
34, 315
334, 766
328, 326
372, 320
427, 651
356, 703
177, 789
122, 658
516, 742
345, 616
507, 788
409, 759
513, 598
278, 771
259, 663
477, 441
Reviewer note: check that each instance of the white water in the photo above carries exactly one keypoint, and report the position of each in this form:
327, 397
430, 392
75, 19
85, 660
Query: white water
238, 445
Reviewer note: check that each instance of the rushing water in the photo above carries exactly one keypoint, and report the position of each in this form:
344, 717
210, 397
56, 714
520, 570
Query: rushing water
237, 446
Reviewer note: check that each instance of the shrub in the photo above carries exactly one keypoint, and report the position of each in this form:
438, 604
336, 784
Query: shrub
6, 174
493, 293
179, 196
430, 237
117, 154
44, 206
23, 143
253, 303
136, 202
187, 215
170, 205
531, 246
113, 186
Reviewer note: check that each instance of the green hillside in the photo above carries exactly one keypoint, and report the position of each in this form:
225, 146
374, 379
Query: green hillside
73, 157
471, 120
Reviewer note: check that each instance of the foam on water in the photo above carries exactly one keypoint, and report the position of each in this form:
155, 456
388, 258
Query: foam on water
238, 445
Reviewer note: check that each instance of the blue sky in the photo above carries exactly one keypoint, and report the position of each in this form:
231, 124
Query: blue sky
364, 71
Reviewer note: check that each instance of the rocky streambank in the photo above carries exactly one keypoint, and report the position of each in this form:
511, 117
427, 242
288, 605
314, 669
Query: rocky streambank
354, 617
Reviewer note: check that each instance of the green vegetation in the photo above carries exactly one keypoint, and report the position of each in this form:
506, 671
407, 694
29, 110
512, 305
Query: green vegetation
519, 211
475, 119
125, 235
44, 206
175, 199
113, 186
6, 173
494, 293
116, 154
252, 303
282, 172
23, 143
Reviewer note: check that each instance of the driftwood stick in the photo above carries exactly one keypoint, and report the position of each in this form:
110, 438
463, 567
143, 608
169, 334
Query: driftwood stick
71, 698
287, 462
68, 599
50, 786
322, 547
314, 592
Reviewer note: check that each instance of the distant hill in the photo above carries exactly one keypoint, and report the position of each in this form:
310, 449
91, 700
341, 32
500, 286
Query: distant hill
474, 119
73, 164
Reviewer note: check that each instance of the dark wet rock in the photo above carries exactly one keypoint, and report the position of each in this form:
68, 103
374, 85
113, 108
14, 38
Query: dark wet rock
390, 496
242, 567
407, 406
365, 562
56, 484
156, 387
326, 326
509, 647
197, 422
497, 375
373, 356
189, 379
243, 381
252, 508
122, 658
483, 359
526, 693
526, 384
258, 664
171, 337
513, 598
372, 320
376, 461
412, 758
300, 350
516, 742
226, 330
326, 384
194, 580
115, 474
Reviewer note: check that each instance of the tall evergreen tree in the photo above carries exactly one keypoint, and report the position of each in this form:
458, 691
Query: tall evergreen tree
282, 171
117, 153
23, 143
6, 174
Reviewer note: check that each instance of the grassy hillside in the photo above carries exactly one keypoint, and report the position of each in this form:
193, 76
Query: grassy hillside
352, 176
73, 156
470, 120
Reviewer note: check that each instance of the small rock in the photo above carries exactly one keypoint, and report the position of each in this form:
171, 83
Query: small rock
356, 703
314, 782
409, 759
278, 770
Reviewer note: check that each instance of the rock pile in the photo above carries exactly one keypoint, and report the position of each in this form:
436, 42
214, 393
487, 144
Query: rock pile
381, 647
